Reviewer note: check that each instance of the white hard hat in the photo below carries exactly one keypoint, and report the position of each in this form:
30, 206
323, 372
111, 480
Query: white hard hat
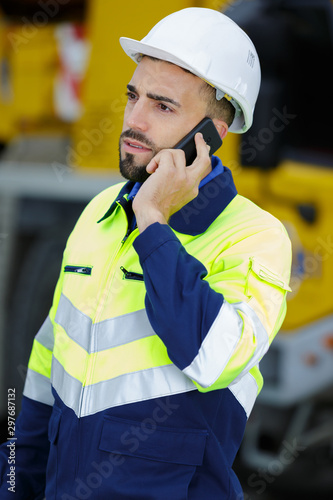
211, 46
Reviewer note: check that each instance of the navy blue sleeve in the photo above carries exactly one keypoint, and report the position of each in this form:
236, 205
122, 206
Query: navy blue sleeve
27, 454
180, 305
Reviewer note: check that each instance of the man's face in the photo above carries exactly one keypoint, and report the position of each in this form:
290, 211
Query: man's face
164, 104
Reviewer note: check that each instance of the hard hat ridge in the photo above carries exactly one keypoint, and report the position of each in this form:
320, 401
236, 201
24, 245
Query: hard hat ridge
211, 46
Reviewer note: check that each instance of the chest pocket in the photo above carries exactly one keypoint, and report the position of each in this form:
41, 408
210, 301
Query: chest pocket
83, 270
130, 275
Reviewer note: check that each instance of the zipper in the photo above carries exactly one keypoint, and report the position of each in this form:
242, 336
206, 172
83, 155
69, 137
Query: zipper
110, 268
78, 270
130, 275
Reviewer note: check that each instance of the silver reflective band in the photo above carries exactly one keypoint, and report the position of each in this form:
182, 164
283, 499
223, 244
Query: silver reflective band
217, 347
76, 324
106, 334
221, 341
129, 388
38, 388
45, 334
212, 358
260, 334
92, 399
245, 391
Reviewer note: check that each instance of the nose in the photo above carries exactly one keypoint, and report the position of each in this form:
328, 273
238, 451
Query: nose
136, 116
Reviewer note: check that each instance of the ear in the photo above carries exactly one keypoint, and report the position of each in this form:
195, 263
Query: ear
221, 127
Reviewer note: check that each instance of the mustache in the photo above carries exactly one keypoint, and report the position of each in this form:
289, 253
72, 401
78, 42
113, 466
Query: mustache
138, 136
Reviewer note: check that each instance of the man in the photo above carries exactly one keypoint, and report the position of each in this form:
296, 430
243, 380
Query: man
172, 287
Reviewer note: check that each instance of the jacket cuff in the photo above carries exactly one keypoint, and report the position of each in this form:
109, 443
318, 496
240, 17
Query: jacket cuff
152, 238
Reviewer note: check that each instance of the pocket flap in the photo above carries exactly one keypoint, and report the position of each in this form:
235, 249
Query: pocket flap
54, 424
266, 274
147, 440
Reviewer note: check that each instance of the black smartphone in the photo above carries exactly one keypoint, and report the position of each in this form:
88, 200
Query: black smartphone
210, 135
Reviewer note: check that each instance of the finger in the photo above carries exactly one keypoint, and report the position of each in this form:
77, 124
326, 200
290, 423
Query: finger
179, 158
202, 147
155, 162
152, 165
203, 160
171, 158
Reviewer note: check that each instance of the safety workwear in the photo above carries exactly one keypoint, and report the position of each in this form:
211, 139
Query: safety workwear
142, 377
211, 46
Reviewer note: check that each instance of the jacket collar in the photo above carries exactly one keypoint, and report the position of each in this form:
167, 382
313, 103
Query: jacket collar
122, 198
195, 217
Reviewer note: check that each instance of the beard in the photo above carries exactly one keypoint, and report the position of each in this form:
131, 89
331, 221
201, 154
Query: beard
127, 165
132, 172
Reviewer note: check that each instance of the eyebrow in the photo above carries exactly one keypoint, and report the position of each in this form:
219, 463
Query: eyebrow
155, 97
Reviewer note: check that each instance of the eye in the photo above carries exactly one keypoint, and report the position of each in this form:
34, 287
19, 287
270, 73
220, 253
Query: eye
131, 96
164, 107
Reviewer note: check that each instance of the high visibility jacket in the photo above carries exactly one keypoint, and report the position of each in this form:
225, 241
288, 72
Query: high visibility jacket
143, 375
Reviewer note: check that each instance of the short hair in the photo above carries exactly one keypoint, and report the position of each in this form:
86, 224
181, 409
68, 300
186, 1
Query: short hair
223, 109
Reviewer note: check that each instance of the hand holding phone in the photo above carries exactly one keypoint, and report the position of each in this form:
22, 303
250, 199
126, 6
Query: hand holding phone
157, 198
210, 135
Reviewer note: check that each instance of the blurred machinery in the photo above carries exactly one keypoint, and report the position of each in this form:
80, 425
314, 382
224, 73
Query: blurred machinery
62, 96
285, 165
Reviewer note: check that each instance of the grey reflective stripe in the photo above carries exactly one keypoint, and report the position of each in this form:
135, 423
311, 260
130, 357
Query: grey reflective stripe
38, 388
260, 333
76, 324
129, 388
168, 380
245, 391
105, 334
221, 341
68, 388
45, 334
216, 348
134, 387
122, 330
